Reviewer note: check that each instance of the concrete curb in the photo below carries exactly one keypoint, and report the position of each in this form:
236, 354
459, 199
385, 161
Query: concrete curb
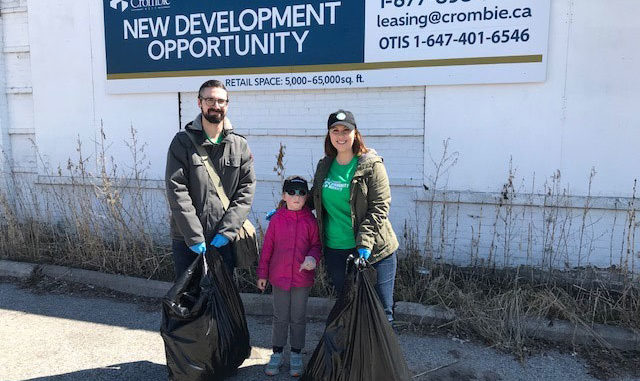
262, 305
16, 269
127, 284
420, 314
599, 334
254, 304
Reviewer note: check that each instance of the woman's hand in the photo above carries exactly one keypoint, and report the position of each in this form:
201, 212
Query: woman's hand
364, 253
262, 284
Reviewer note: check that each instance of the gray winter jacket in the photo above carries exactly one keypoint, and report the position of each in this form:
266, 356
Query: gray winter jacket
196, 210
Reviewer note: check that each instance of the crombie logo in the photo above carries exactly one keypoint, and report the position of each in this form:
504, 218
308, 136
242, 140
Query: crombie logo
137, 4
122, 3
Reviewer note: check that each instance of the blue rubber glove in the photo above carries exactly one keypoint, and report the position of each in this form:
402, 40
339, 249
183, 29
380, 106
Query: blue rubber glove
270, 214
199, 248
219, 240
364, 253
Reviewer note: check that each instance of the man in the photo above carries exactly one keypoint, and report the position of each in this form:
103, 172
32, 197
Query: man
197, 214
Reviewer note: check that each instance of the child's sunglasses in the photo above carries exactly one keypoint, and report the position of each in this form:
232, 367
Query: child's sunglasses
299, 192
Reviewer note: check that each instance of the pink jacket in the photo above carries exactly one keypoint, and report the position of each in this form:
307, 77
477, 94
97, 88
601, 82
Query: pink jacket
291, 236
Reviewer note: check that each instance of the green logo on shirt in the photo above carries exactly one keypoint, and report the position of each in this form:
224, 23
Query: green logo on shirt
334, 185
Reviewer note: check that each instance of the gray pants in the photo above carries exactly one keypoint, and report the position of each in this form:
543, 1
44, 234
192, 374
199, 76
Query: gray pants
289, 312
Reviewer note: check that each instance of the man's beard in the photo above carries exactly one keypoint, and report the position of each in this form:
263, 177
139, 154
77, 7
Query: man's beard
215, 117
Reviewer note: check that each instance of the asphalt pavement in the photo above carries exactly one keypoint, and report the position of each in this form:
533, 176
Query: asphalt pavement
56, 337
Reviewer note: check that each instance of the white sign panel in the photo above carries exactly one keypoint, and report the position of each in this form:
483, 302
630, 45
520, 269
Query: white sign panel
336, 44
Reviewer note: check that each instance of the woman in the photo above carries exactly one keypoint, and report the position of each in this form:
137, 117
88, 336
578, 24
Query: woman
351, 196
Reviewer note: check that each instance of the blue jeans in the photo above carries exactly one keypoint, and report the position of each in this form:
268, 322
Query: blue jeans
336, 262
183, 257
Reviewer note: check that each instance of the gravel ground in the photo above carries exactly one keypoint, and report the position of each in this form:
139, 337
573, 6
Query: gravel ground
53, 331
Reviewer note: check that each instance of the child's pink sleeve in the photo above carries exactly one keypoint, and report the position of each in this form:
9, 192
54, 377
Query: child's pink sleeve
267, 250
314, 237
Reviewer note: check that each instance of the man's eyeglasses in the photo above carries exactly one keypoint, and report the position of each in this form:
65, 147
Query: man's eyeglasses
215, 101
299, 192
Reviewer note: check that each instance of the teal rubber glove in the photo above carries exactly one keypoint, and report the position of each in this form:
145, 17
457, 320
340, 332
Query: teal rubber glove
364, 253
219, 240
199, 248
270, 214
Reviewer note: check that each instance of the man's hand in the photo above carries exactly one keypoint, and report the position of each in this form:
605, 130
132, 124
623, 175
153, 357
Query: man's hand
219, 240
364, 253
199, 248
308, 264
262, 284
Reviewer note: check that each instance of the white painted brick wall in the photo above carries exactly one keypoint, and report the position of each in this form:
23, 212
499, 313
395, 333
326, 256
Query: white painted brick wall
5, 150
16, 28
24, 153
20, 113
377, 111
19, 99
478, 232
18, 69
6, 4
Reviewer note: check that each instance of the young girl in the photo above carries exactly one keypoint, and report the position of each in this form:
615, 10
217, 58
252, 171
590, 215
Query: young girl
288, 260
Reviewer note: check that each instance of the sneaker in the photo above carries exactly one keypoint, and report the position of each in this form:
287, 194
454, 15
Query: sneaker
396, 327
273, 367
295, 364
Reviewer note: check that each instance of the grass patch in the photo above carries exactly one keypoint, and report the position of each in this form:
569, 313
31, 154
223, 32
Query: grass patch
492, 304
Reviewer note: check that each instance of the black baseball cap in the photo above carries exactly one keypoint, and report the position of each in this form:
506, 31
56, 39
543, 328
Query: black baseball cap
295, 182
342, 117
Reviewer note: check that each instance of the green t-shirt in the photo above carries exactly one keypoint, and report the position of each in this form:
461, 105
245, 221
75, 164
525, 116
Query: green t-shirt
217, 141
338, 230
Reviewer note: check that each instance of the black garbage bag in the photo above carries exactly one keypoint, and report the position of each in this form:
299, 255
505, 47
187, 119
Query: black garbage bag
358, 342
203, 323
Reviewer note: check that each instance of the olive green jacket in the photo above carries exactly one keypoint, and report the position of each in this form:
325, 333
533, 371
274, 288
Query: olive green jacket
370, 198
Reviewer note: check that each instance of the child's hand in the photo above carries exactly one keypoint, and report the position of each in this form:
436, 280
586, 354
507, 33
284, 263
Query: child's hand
308, 264
262, 284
